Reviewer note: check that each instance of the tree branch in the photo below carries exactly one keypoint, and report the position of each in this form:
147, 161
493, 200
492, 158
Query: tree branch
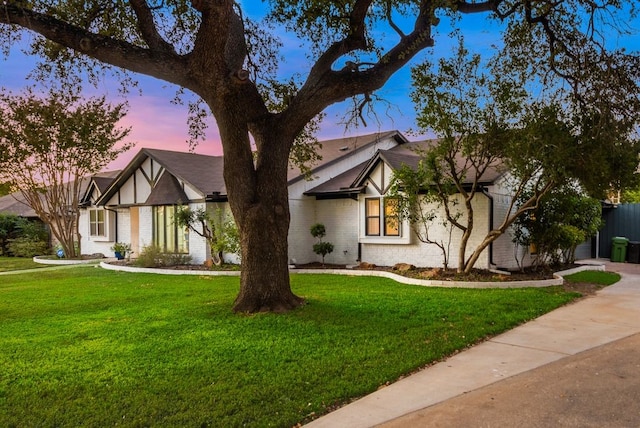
160, 64
478, 7
148, 29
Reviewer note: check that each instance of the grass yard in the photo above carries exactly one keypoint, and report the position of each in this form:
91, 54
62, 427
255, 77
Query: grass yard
90, 347
18, 263
594, 277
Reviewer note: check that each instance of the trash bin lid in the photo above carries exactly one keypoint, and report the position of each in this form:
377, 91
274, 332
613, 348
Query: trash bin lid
620, 240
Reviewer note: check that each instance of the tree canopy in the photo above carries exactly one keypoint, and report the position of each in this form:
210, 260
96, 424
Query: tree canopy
229, 61
49, 146
490, 122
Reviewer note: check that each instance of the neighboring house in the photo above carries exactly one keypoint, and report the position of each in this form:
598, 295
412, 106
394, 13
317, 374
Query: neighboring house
345, 191
16, 204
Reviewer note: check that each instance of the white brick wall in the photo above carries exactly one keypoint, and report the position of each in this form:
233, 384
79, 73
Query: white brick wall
429, 255
340, 218
124, 225
88, 244
198, 247
95, 245
303, 215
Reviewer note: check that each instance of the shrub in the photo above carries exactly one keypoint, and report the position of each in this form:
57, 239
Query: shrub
121, 249
21, 237
153, 256
148, 256
27, 247
321, 248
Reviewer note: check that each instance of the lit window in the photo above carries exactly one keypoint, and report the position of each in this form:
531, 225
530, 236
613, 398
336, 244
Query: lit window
372, 214
391, 219
374, 222
166, 234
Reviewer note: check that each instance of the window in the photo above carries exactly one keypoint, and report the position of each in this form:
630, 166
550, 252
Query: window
97, 223
372, 214
391, 219
166, 234
389, 223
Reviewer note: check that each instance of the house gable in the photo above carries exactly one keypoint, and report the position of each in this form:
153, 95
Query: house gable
191, 177
342, 160
379, 223
379, 179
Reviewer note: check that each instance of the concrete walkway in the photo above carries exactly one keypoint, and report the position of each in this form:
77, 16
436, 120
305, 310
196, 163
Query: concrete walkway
576, 366
45, 269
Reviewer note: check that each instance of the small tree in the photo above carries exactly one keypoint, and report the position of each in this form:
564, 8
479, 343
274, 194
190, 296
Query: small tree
48, 146
418, 202
220, 231
489, 122
321, 247
564, 219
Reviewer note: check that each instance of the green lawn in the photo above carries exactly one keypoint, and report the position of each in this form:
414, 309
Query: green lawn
89, 347
594, 277
18, 263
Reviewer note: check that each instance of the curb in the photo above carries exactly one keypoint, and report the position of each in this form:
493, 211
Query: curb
557, 280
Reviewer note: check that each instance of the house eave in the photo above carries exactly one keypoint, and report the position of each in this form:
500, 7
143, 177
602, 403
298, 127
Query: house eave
345, 193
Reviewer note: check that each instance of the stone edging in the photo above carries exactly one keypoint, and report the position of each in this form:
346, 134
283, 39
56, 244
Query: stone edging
557, 280
46, 261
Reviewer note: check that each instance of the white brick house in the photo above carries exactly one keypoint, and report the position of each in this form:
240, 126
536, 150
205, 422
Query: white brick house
345, 191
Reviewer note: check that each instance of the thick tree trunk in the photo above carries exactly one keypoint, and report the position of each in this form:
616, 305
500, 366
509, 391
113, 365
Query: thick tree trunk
264, 282
258, 196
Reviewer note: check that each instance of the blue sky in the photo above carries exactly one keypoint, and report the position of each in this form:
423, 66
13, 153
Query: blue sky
157, 123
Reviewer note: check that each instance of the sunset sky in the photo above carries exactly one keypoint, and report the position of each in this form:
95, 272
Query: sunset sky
157, 123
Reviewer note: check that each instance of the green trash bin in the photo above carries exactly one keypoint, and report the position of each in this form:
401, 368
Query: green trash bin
619, 249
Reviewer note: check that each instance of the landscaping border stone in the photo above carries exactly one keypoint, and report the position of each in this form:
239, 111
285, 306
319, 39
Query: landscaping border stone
556, 280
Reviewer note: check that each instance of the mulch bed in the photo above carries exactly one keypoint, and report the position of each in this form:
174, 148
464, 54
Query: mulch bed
438, 274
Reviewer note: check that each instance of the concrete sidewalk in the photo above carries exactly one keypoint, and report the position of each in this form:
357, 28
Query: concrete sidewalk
572, 336
45, 269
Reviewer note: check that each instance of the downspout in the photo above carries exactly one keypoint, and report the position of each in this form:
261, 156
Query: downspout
486, 193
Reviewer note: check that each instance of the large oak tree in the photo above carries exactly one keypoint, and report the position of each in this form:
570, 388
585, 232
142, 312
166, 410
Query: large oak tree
210, 48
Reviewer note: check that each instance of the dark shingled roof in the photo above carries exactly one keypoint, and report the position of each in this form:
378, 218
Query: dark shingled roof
167, 191
15, 203
405, 154
341, 183
205, 173
104, 180
201, 171
332, 150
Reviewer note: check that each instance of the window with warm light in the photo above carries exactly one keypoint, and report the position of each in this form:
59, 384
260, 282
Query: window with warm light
381, 217
167, 235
